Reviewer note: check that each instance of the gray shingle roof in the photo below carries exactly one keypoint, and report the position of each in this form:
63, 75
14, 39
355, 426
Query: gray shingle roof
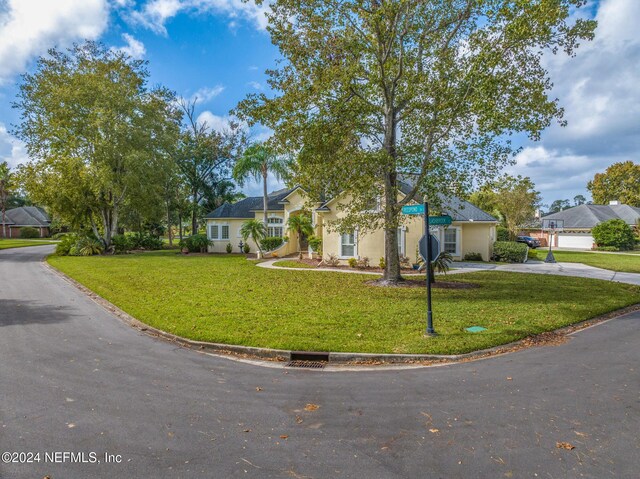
588, 216
247, 207
27, 216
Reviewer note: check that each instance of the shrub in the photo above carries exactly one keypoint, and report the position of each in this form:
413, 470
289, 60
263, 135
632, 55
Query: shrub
472, 257
271, 243
196, 243
332, 260
502, 233
405, 262
59, 235
63, 248
142, 240
352, 262
121, 244
316, 244
229, 248
442, 264
246, 248
510, 251
88, 246
28, 232
382, 263
362, 263
607, 248
614, 233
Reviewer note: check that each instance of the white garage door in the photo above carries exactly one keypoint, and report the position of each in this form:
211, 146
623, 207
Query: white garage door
575, 240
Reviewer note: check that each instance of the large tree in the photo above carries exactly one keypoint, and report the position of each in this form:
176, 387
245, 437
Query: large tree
370, 90
96, 134
621, 182
6, 187
205, 157
513, 199
257, 162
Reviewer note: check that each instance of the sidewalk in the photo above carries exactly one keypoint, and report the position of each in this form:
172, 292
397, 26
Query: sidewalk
578, 270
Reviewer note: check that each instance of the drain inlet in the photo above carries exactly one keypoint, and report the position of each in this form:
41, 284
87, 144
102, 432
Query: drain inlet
308, 359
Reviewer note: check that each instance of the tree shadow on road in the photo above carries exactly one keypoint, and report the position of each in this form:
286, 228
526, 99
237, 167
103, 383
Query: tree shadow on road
14, 313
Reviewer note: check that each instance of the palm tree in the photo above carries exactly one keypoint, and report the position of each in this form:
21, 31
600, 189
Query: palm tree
301, 224
256, 162
255, 230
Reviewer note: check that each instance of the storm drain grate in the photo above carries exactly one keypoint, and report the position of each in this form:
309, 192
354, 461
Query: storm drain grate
306, 364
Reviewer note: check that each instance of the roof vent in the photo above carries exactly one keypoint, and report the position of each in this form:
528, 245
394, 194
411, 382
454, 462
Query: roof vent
614, 203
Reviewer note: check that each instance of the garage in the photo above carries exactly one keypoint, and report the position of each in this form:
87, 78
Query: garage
575, 240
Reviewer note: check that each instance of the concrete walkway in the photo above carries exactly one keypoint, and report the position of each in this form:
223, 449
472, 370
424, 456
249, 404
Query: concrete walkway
534, 267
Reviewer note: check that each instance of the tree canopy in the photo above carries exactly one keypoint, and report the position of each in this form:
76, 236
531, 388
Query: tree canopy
372, 91
620, 182
97, 136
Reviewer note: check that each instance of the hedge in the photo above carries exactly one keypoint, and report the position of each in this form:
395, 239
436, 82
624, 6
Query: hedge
510, 252
271, 243
614, 233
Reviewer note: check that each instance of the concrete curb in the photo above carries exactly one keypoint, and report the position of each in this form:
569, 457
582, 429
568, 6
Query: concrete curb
335, 358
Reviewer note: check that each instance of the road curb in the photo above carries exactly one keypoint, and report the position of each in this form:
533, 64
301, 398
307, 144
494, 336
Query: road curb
336, 358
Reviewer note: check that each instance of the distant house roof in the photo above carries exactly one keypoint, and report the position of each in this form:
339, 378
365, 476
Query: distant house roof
27, 216
247, 207
588, 216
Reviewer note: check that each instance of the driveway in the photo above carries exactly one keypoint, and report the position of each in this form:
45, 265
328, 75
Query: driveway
73, 378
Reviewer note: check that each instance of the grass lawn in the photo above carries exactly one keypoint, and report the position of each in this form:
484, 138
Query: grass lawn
21, 243
613, 262
228, 299
286, 263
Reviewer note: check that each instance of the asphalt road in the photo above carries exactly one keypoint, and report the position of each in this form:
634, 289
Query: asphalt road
75, 379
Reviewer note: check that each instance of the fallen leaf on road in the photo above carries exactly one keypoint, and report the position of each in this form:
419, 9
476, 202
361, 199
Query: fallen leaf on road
565, 445
509, 378
581, 434
258, 389
283, 436
246, 430
434, 430
299, 420
311, 407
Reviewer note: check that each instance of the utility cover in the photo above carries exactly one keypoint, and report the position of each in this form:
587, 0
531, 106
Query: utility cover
476, 329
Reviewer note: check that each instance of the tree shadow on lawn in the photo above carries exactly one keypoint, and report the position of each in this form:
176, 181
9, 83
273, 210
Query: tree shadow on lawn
16, 313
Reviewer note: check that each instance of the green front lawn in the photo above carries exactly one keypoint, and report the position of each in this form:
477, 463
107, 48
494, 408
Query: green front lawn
228, 299
289, 263
21, 243
613, 262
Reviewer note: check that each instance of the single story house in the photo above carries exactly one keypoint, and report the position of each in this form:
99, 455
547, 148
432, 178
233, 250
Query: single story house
472, 230
579, 221
23, 216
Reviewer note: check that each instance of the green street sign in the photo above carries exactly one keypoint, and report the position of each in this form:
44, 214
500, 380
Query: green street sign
413, 209
440, 220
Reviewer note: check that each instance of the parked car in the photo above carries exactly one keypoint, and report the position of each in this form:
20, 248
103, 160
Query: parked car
532, 243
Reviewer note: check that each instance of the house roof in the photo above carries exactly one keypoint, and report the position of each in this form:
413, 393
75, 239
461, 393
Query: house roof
27, 216
247, 207
457, 208
588, 216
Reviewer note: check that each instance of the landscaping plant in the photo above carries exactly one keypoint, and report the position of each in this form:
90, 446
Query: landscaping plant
614, 233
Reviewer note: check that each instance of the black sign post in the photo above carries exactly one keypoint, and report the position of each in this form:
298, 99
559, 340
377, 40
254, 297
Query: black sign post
430, 330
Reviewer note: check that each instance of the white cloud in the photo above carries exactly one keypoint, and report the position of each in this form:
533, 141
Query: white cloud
206, 94
28, 28
12, 150
256, 85
155, 13
134, 48
600, 93
215, 122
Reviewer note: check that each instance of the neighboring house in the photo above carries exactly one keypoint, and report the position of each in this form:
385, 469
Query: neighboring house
472, 231
579, 220
23, 216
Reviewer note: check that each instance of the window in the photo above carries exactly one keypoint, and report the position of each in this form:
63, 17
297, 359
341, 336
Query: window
451, 241
401, 242
219, 232
348, 245
274, 227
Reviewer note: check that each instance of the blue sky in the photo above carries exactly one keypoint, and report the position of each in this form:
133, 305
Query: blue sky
219, 50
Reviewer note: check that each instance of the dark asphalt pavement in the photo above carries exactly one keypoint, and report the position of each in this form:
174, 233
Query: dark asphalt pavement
74, 378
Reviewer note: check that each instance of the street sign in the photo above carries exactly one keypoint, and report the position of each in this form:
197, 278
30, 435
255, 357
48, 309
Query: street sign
413, 210
435, 248
440, 220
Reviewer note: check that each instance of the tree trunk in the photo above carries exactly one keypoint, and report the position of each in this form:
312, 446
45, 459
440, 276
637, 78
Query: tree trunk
265, 197
180, 225
194, 215
4, 219
169, 232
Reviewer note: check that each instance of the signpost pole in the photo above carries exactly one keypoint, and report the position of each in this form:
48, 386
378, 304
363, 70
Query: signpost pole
430, 330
